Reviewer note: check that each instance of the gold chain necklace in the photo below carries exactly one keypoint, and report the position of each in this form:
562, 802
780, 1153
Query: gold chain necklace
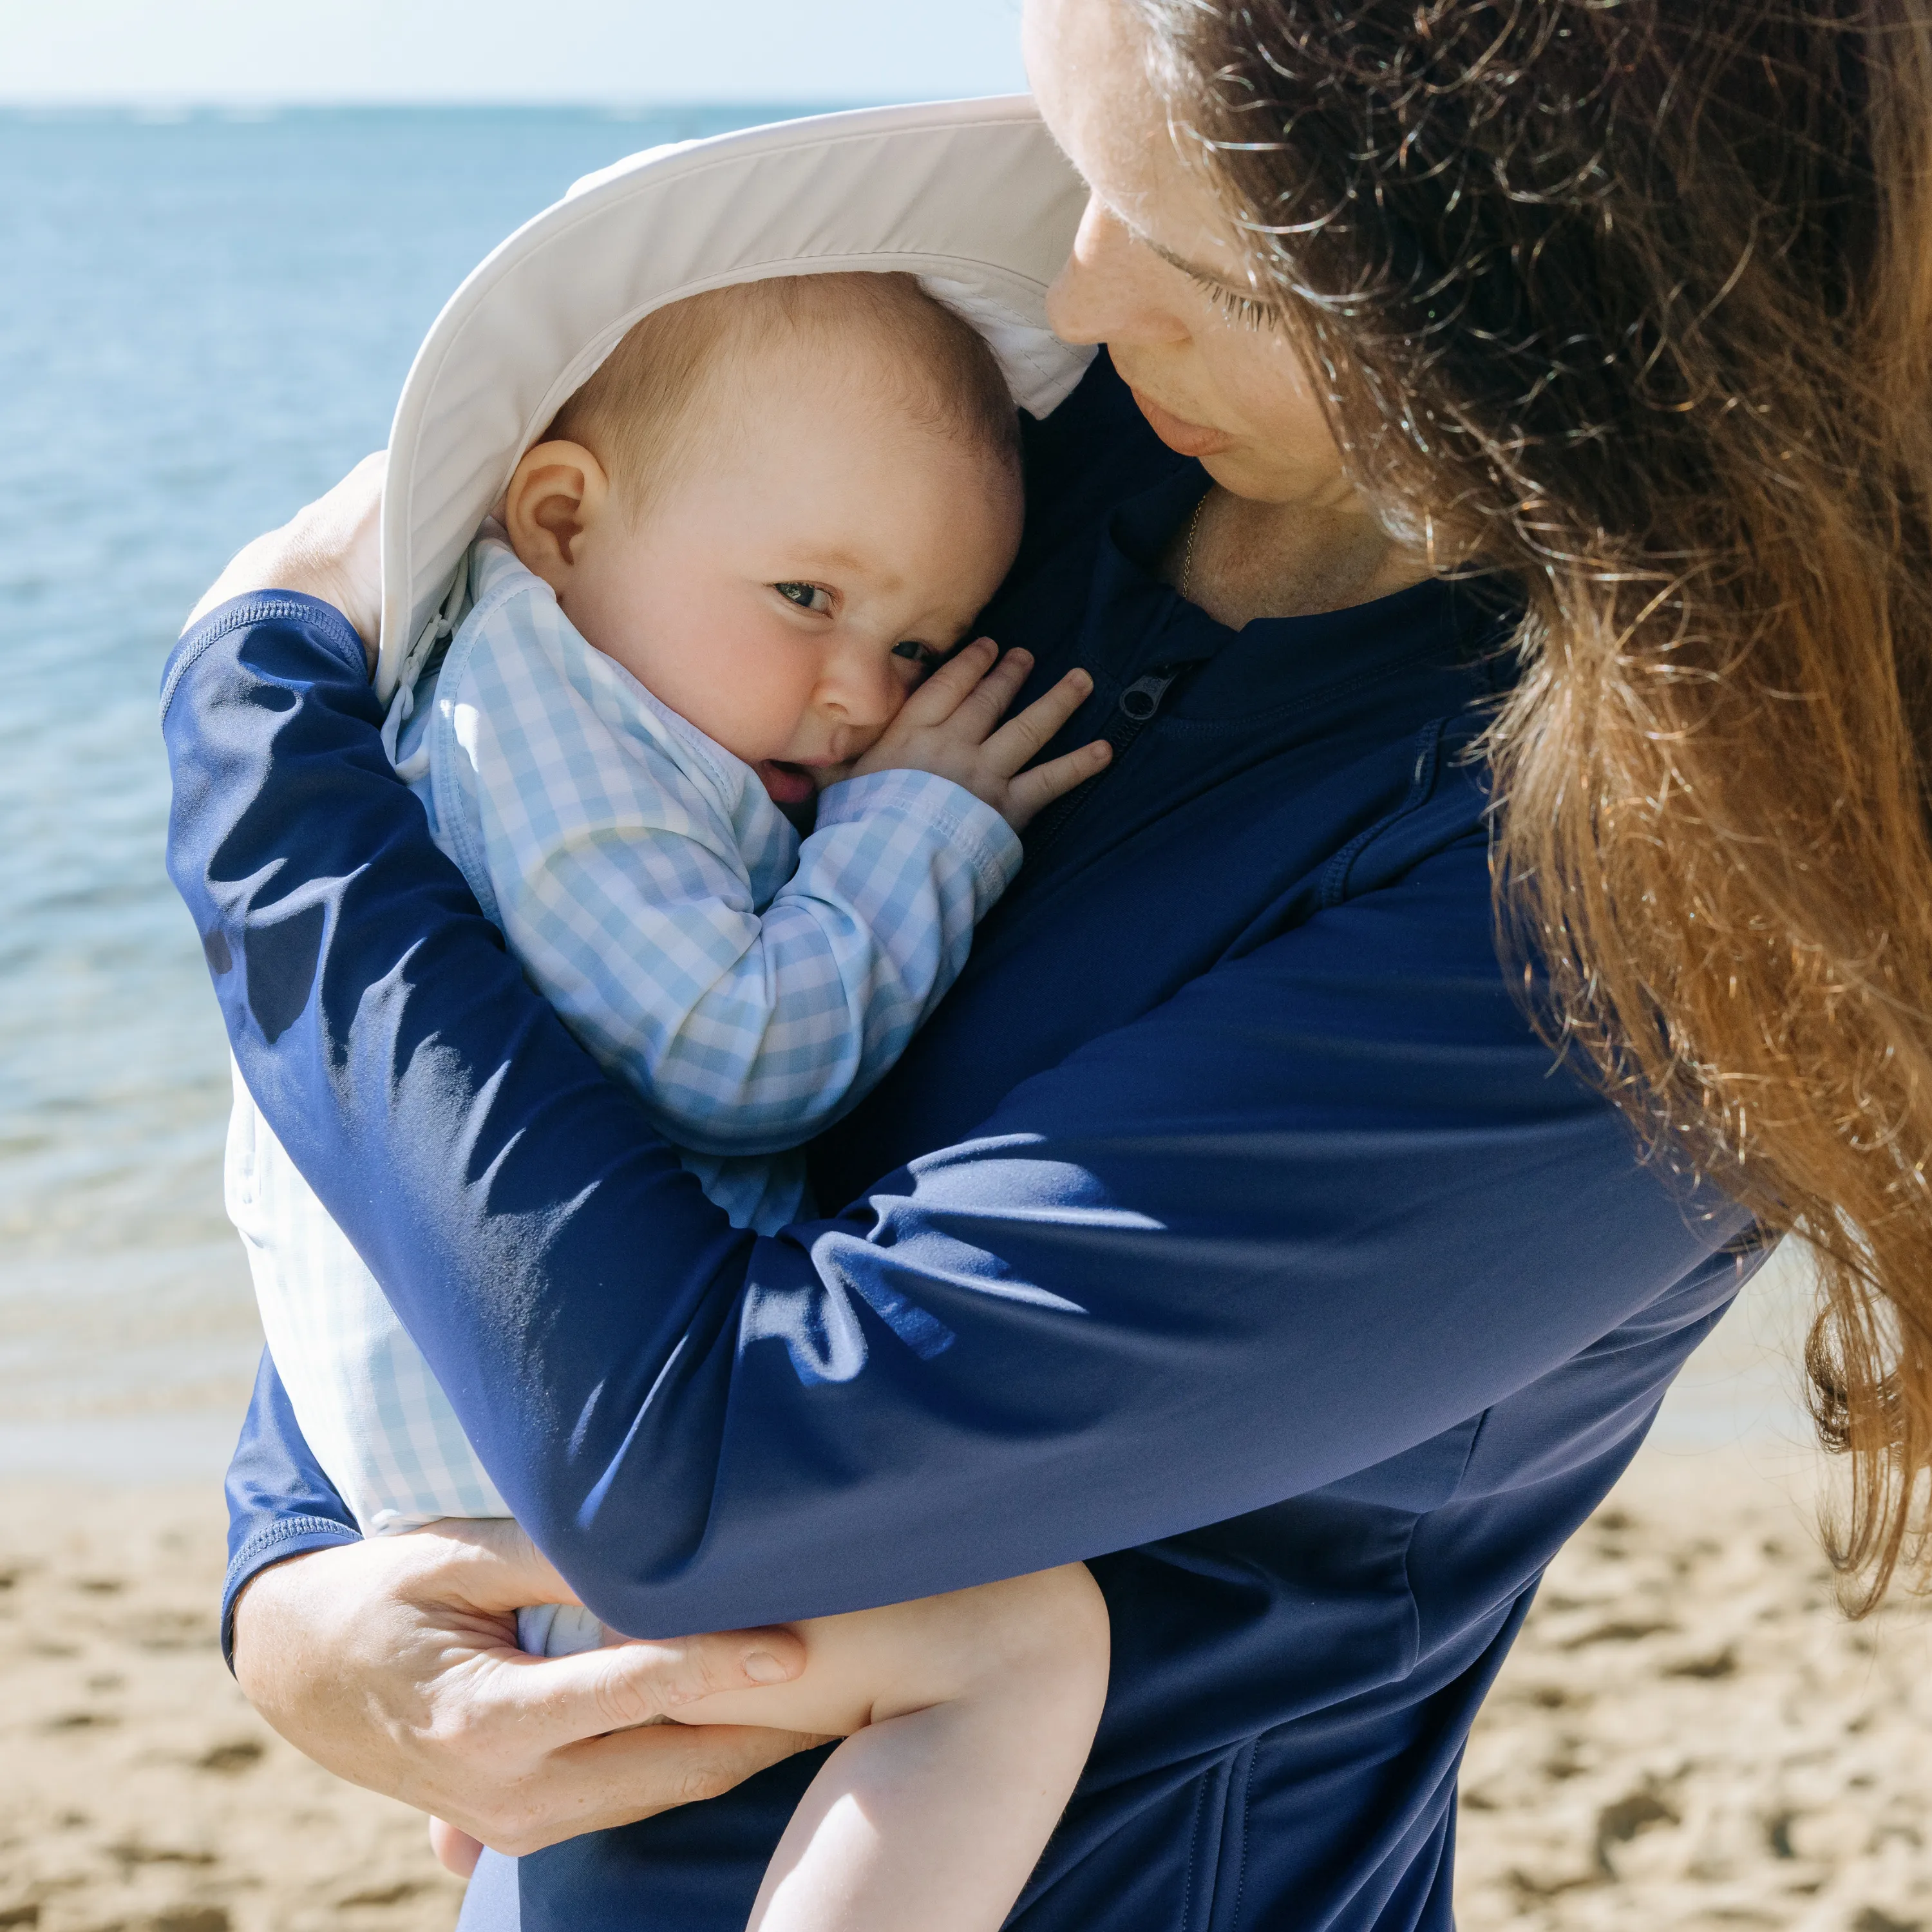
1187, 554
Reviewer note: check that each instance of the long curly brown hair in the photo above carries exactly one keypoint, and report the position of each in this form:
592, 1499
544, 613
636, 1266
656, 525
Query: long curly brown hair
1635, 297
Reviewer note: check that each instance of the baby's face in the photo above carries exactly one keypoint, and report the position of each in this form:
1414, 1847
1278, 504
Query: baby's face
799, 575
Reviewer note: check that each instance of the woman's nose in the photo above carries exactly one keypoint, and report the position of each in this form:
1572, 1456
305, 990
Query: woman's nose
1108, 290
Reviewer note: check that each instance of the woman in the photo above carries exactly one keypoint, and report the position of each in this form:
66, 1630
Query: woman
1233, 1185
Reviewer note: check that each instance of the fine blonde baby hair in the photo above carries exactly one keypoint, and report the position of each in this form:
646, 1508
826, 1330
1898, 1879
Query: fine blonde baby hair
638, 412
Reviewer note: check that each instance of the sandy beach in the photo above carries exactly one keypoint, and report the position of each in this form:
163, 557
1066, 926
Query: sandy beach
1688, 1736
138, 1791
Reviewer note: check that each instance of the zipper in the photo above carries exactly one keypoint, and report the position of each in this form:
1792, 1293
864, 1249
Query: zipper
1133, 711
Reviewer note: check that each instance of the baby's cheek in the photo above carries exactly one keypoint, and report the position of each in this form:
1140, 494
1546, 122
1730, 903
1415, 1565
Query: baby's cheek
757, 694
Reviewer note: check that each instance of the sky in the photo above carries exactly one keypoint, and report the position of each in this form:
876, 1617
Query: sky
243, 52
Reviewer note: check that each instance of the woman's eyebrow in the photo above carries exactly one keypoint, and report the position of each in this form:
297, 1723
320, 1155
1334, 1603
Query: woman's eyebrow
1181, 262
1146, 240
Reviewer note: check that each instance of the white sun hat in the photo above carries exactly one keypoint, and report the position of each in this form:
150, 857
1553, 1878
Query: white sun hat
972, 197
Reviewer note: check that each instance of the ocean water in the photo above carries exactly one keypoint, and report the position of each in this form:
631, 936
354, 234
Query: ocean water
204, 320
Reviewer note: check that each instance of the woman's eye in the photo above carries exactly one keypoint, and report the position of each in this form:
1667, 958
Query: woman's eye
806, 596
921, 655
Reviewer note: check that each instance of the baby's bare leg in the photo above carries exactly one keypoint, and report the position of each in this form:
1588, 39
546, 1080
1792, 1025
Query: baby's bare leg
969, 1717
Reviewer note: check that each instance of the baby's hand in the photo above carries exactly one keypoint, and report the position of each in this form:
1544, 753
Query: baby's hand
950, 726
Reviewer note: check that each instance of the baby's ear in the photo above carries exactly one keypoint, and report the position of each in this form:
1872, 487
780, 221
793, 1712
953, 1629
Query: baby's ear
559, 491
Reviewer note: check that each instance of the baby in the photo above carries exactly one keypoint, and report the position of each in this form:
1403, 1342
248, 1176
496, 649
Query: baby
731, 579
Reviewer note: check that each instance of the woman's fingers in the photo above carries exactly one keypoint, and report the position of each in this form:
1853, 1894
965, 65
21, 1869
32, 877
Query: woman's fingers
609, 1781
457, 1851
331, 549
555, 1702
1031, 791
1020, 738
684, 1764
487, 1563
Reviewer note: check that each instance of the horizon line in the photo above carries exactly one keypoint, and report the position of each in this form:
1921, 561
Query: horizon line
229, 104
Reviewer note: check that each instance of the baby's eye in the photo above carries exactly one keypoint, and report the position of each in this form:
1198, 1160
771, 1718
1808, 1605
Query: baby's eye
806, 596
921, 655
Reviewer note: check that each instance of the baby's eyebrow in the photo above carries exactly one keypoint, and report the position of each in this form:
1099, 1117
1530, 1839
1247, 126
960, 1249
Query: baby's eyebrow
835, 558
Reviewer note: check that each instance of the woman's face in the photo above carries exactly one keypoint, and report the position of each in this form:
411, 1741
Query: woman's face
1157, 275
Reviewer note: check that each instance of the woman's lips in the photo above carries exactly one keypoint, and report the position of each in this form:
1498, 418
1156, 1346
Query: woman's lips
1184, 438
785, 783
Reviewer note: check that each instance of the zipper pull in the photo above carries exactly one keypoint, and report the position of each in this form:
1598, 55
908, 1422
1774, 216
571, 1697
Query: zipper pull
1141, 699
1135, 707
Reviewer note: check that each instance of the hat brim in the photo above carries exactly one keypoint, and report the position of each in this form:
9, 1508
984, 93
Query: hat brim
970, 196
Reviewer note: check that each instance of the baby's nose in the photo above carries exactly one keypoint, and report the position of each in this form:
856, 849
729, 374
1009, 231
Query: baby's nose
861, 690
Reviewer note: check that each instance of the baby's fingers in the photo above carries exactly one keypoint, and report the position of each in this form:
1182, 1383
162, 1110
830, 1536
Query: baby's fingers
1020, 738
1032, 791
982, 707
941, 695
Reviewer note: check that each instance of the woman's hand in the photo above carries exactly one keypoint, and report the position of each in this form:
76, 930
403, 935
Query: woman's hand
950, 726
331, 549
394, 1664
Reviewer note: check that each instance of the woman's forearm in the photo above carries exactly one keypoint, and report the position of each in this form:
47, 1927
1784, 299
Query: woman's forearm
1324, 1204
281, 1503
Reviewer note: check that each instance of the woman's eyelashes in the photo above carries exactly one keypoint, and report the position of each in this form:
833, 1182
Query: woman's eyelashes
1235, 306
813, 597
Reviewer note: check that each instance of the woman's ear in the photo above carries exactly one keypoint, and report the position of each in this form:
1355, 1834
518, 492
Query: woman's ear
558, 495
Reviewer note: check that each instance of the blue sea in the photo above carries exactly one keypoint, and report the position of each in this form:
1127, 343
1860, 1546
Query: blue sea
206, 320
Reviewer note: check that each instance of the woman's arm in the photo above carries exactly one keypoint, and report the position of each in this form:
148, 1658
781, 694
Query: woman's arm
448, 1714
1326, 1202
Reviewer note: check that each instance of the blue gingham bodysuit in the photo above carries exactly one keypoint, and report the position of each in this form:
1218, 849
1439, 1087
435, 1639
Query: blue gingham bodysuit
752, 988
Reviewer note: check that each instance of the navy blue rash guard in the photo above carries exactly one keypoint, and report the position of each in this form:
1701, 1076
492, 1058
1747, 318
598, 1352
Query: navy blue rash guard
1228, 1225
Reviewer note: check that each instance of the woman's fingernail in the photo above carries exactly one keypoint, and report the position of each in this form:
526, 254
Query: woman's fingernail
762, 1667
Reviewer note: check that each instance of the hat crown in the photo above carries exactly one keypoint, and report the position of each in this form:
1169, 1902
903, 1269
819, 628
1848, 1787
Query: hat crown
972, 197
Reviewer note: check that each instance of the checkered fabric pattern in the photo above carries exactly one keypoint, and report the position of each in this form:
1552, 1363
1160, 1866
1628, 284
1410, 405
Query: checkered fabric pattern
750, 987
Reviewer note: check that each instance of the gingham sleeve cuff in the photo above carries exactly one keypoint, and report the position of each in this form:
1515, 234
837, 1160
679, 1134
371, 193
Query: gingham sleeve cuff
967, 825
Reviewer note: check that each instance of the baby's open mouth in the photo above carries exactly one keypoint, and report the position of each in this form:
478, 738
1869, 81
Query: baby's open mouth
784, 782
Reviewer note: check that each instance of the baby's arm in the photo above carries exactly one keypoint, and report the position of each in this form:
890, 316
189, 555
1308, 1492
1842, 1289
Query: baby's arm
841, 968
618, 876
